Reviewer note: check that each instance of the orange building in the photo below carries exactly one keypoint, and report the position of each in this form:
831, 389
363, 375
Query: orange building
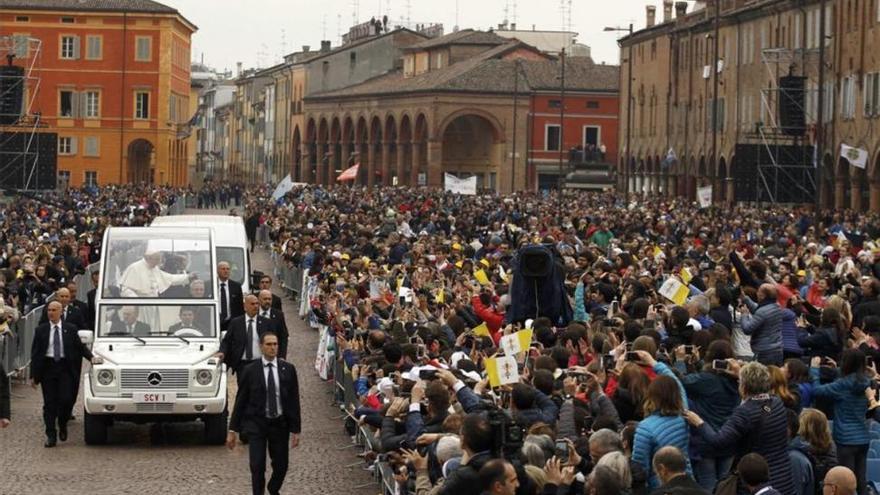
112, 79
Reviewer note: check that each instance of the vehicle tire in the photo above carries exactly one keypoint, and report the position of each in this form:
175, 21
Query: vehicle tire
95, 429
216, 428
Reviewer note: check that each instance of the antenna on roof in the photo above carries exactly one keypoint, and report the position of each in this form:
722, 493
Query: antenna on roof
513, 17
355, 12
506, 13
283, 43
455, 29
324, 27
339, 29
409, 12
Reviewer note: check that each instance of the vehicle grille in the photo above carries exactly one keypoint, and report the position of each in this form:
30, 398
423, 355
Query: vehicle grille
137, 379
157, 407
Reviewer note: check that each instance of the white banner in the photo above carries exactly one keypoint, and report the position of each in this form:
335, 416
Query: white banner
453, 184
857, 157
704, 195
283, 187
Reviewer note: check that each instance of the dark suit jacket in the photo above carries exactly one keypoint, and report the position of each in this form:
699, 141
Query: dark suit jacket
90, 315
278, 320
233, 345
236, 301
74, 350
141, 329
4, 394
680, 485
276, 301
74, 317
249, 411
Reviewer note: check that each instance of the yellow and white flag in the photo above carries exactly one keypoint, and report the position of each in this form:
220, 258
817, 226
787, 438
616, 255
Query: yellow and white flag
501, 370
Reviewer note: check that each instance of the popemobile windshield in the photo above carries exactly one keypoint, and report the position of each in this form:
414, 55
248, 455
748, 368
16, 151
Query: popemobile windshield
157, 331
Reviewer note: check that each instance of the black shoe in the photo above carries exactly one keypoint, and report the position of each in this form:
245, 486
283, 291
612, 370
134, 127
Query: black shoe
50, 442
62, 434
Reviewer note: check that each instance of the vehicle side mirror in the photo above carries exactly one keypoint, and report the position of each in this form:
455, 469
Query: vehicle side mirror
86, 336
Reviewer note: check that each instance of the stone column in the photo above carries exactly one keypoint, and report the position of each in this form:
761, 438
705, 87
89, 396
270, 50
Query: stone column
415, 163
855, 194
386, 163
399, 165
345, 155
839, 191
320, 168
729, 194
874, 188
371, 164
435, 164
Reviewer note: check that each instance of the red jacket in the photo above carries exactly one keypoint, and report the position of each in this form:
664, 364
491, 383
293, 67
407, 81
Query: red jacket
494, 320
611, 386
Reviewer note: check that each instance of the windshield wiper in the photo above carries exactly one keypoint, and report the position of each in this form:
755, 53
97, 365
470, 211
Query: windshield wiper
125, 334
181, 338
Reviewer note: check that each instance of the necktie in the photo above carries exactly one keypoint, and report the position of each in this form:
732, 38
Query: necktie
224, 306
249, 348
64, 315
131, 329
270, 393
56, 346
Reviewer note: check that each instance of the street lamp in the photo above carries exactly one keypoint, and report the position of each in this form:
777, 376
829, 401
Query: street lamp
628, 107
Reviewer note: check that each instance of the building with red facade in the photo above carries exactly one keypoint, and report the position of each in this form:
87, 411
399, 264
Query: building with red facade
112, 79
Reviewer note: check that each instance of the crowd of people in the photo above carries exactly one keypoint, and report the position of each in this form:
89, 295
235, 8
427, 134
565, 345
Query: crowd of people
660, 347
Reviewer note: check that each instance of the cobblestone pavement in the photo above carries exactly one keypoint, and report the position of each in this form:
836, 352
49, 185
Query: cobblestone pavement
141, 459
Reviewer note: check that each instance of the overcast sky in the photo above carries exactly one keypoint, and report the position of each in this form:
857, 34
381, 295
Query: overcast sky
250, 31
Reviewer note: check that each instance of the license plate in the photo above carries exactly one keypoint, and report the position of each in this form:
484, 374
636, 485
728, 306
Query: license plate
154, 397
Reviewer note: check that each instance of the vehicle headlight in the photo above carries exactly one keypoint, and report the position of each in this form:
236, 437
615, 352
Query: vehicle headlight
105, 377
204, 377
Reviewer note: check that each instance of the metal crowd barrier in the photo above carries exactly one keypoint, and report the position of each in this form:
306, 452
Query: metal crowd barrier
346, 397
263, 234
15, 344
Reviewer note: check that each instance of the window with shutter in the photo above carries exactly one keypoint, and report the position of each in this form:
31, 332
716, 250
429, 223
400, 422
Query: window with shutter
91, 178
20, 45
65, 104
64, 146
94, 48
67, 48
143, 49
92, 104
73, 146
142, 105
92, 146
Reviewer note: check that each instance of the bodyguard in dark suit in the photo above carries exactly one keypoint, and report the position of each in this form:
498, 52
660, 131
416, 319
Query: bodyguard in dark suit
266, 284
241, 345
69, 313
277, 317
56, 360
267, 410
81, 307
231, 298
90, 296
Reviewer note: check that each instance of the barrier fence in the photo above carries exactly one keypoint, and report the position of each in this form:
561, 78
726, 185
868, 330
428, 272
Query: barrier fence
331, 367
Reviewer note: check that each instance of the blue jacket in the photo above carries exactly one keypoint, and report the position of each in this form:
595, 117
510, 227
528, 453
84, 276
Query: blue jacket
713, 396
790, 332
658, 431
751, 429
850, 407
764, 326
545, 411
580, 309
824, 341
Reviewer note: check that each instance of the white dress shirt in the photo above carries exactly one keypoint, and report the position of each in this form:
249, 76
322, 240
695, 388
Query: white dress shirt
277, 382
50, 350
255, 340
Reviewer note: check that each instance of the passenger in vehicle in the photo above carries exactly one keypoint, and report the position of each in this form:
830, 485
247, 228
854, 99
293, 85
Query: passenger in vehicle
144, 278
187, 321
130, 325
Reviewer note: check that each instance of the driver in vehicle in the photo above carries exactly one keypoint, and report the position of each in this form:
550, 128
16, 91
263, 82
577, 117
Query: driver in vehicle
187, 321
130, 325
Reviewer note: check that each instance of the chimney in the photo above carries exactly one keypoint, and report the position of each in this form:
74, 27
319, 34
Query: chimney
238, 66
325, 46
306, 48
513, 26
667, 10
651, 13
681, 9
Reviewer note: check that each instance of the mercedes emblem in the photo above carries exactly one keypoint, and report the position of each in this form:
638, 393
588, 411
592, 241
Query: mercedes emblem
154, 379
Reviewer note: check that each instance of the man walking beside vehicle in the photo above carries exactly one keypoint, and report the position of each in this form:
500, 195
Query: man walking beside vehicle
267, 410
56, 360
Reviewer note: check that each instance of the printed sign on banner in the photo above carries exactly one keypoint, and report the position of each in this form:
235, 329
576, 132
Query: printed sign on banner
674, 290
502, 370
704, 194
453, 184
283, 187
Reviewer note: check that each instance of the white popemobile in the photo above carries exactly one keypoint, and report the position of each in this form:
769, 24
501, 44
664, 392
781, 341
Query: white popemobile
157, 333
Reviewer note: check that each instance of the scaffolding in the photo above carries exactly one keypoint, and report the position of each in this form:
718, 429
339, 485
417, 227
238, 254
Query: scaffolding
19, 139
785, 159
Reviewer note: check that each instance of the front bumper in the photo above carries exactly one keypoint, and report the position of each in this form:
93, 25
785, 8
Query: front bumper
182, 406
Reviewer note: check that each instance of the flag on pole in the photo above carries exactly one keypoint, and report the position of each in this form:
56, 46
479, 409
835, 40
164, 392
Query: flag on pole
857, 157
350, 173
501, 370
482, 330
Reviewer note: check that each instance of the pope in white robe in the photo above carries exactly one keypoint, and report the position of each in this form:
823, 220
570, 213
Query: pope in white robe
144, 279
